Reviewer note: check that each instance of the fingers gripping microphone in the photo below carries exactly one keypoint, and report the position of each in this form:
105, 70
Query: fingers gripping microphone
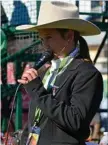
46, 56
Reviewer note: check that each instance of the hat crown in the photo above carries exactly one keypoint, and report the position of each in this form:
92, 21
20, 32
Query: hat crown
56, 10
59, 14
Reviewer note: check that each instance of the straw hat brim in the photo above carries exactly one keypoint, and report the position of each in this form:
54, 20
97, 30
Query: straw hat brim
85, 27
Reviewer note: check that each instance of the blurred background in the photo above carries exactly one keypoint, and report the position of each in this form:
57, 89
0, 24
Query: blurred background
19, 51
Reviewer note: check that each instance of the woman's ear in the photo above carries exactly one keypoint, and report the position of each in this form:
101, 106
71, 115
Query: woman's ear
69, 35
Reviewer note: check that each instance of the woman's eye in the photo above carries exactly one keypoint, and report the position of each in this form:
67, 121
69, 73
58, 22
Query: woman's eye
45, 38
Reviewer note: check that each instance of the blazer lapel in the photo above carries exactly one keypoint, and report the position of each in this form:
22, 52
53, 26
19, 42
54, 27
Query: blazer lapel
63, 78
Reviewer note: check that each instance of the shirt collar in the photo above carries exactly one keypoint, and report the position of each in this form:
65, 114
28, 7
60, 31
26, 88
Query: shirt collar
56, 62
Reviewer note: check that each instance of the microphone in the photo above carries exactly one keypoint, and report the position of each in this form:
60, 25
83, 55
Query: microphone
46, 56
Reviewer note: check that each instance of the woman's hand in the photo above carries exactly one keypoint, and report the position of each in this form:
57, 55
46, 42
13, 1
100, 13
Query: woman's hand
28, 76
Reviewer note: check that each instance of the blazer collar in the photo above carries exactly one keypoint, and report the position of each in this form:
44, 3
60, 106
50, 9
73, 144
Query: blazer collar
62, 79
74, 64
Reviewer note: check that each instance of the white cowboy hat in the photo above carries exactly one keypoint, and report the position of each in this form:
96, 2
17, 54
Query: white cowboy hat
57, 14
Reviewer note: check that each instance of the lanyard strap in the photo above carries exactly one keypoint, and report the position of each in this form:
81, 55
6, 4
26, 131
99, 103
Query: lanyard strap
37, 115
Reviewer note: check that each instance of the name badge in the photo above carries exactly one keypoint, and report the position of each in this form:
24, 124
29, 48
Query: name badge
54, 89
33, 136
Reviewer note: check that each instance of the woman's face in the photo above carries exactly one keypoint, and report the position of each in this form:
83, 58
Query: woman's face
52, 39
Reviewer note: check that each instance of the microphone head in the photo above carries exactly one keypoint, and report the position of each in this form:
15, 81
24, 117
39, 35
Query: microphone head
46, 56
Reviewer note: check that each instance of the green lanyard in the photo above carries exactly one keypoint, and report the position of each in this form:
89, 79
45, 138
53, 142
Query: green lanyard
37, 116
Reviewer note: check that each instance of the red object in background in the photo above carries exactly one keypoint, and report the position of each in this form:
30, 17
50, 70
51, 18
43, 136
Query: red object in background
10, 73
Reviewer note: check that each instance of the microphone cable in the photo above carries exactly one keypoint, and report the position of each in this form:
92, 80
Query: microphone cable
13, 103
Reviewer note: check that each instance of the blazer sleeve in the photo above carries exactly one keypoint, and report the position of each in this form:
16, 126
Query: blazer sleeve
86, 95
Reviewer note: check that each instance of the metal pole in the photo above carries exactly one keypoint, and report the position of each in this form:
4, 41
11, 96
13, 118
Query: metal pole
100, 48
38, 3
18, 115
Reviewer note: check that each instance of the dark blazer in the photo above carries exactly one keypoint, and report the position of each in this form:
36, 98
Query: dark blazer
68, 109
